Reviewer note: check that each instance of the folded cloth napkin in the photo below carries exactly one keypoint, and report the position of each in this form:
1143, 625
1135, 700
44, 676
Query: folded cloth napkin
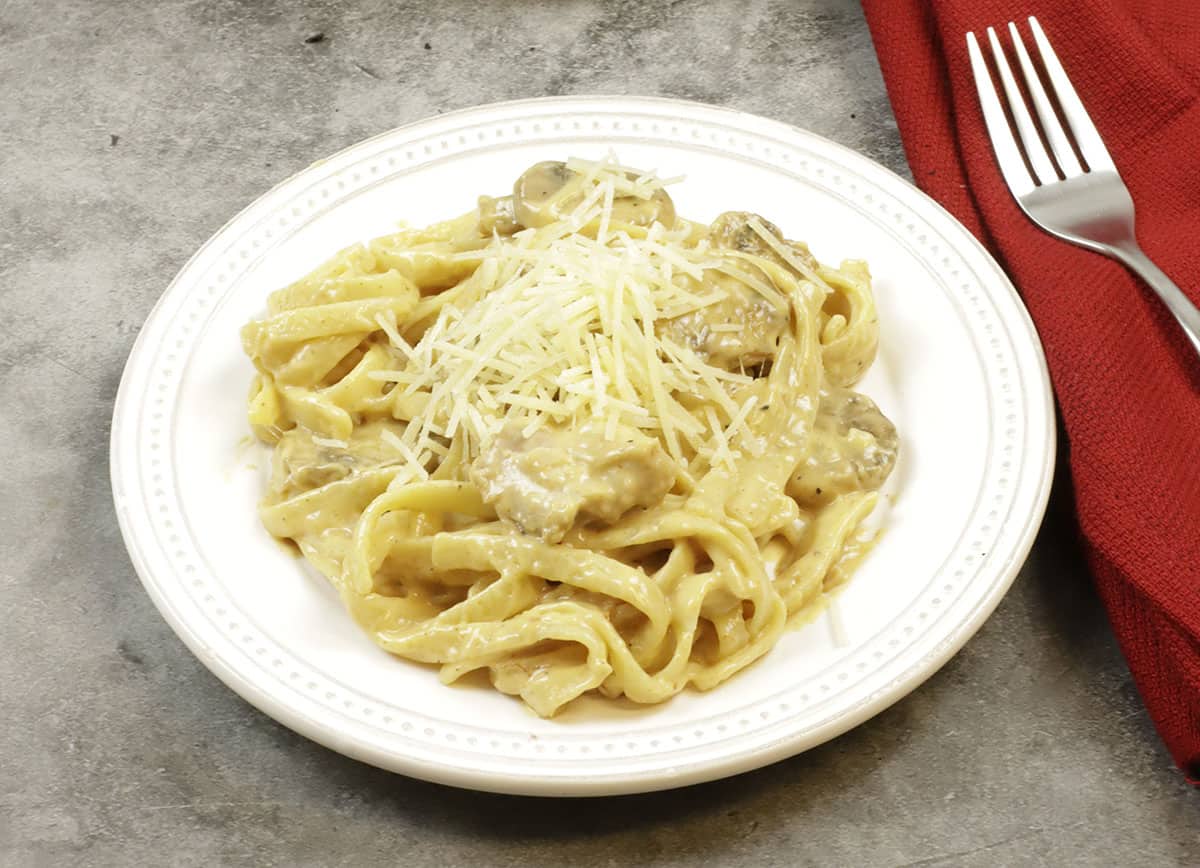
1127, 380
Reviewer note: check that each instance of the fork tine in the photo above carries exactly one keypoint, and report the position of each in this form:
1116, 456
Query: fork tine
1036, 151
1090, 143
1008, 155
1059, 143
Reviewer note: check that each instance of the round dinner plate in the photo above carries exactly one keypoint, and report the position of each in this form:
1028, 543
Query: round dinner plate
960, 371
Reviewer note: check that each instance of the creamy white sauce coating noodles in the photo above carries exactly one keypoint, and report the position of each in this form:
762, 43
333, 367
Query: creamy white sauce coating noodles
572, 439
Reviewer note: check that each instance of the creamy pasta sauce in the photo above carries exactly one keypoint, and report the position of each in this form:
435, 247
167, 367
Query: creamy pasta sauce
572, 438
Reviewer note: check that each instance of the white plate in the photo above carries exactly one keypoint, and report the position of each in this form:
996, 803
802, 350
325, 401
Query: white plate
960, 371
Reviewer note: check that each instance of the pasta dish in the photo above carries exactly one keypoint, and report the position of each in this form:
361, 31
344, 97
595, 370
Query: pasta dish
572, 439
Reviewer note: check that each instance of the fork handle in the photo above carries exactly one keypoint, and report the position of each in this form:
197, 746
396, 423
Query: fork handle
1185, 313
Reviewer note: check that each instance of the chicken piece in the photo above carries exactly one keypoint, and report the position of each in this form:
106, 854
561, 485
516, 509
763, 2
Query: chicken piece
545, 482
853, 447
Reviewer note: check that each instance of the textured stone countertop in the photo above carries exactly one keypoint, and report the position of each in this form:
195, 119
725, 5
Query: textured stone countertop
129, 132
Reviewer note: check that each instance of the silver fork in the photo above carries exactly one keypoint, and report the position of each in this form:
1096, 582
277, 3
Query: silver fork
1085, 203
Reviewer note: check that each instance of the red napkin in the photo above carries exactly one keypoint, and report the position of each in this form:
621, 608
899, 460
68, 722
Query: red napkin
1127, 381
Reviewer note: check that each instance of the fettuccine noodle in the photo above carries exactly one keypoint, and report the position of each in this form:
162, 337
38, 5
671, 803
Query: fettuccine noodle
573, 439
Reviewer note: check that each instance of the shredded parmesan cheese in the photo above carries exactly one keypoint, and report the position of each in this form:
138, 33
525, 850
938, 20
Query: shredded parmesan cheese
558, 327
415, 466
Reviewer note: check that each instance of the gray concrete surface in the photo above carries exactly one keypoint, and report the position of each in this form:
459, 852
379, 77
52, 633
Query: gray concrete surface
131, 131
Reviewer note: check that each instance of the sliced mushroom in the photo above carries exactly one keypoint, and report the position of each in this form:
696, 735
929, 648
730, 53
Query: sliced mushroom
853, 448
758, 326
549, 191
732, 231
302, 462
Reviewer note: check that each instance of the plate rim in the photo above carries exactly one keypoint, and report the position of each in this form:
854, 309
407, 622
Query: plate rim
729, 763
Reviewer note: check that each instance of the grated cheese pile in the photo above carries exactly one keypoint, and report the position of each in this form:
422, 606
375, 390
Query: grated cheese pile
557, 327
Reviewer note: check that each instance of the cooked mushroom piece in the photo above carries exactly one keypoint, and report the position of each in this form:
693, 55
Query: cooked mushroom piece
854, 448
298, 464
732, 231
738, 333
549, 191
302, 461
